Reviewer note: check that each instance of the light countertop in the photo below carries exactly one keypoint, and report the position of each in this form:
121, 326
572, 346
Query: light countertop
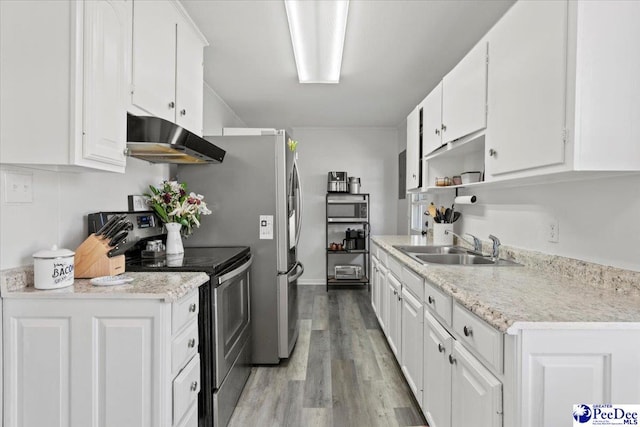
167, 286
511, 298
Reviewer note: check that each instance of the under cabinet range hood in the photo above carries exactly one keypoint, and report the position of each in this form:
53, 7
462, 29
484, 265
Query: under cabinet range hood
159, 141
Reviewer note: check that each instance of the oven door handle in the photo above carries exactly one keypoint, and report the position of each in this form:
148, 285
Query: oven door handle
298, 273
238, 271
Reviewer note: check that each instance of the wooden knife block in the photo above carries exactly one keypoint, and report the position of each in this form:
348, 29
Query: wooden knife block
91, 259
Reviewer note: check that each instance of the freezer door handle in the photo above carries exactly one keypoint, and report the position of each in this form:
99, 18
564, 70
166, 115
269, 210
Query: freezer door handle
298, 273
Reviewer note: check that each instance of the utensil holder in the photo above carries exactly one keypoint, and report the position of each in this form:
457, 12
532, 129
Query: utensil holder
92, 260
441, 238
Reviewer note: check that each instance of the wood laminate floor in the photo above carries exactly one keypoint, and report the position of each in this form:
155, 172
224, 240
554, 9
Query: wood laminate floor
342, 373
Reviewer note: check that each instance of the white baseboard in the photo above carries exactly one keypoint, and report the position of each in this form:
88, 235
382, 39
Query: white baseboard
312, 282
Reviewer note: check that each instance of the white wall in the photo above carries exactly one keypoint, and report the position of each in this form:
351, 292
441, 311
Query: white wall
599, 219
368, 153
61, 200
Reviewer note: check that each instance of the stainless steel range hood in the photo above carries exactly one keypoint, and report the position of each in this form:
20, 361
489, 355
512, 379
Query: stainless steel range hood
159, 141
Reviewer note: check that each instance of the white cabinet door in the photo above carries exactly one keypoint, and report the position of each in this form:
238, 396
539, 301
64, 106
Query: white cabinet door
385, 297
432, 120
83, 362
375, 304
527, 88
464, 100
107, 40
394, 324
476, 395
413, 149
411, 342
189, 79
154, 58
436, 399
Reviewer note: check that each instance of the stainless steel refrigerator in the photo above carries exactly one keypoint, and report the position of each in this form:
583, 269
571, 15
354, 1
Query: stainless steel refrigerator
256, 198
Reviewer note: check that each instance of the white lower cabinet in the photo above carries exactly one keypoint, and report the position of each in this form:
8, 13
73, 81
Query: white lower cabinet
98, 362
394, 322
459, 391
411, 342
375, 302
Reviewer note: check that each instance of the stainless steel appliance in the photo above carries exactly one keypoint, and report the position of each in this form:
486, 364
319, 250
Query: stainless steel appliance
348, 272
159, 141
224, 320
337, 182
354, 185
257, 202
347, 208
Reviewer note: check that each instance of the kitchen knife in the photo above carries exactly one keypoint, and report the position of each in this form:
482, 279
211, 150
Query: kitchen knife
107, 225
109, 232
121, 225
118, 238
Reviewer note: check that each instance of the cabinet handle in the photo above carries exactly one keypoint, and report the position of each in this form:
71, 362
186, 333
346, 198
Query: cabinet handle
452, 359
194, 386
192, 308
399, 297
183, 112
444, 128
440, 348
467, 331
414, 175
192, 343
172, 105
431, 300
492, 152
437, 131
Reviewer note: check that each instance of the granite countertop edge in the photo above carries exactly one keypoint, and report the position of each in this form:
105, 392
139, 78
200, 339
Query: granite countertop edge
515, 298
166, 286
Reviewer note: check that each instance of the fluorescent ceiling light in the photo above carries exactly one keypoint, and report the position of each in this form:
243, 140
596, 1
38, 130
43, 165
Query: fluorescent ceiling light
317, 34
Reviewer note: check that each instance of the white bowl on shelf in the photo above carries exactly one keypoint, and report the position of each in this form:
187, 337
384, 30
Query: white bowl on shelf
470, 177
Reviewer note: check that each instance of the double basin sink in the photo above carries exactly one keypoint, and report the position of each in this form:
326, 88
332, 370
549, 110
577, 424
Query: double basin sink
451, 255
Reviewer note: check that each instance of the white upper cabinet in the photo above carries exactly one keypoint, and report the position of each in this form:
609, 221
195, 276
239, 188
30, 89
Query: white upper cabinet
413, 149
432, 120
167, 73
64, 87
464, 95
563, 92
527, 80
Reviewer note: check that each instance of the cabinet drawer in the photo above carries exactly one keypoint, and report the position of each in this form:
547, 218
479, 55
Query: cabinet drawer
185, 388
184, 311
395, 266
479, 336
438, 302
184, 346
413, 282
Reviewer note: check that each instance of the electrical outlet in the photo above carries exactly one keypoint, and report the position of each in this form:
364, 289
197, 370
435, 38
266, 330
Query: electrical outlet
553, 231
18, 187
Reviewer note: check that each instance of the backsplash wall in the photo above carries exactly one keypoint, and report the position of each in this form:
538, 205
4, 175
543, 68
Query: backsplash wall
598, 219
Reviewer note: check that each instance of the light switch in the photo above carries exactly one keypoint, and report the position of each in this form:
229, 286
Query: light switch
266, 227
18, 187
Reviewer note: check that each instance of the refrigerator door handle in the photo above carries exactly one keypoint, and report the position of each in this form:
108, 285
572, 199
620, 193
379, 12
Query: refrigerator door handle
298, 273
301, 202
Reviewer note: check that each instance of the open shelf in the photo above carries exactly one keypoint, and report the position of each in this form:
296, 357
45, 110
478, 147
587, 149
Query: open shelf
348, 251
331, 280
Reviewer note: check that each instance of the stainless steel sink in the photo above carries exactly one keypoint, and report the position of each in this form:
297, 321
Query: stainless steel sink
432, 249
451, 255
455, 259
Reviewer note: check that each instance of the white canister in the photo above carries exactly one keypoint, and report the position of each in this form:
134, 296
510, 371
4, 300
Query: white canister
53, 268
440, 235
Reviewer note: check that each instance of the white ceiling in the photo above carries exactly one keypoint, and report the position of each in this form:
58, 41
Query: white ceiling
395, 52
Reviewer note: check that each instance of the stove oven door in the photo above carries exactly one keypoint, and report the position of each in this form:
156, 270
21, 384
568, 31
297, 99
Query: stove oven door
232, 318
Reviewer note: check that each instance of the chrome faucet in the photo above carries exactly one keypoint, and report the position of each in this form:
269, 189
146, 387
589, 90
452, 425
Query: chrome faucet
496, 246
477, 244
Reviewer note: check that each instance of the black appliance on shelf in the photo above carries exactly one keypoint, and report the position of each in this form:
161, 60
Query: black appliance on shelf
224, 327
